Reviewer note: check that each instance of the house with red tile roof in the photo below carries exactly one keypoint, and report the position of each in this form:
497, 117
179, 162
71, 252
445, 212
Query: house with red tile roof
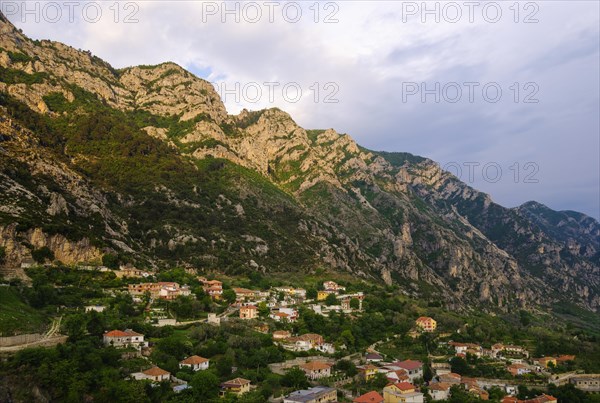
123, 339
479, 392
508, 348
439, 390
401, 392
283, 314
242, 294
371, 397
333, 286
398, 375
237, 386
305, 342
426, 324
368, 371
539, 399
248, 312
452, 378
195, 363
545, 362
281, 335
154, 374
464, 348
167, 290
518, 369
413, 368
214, 288
374, 357
316, 369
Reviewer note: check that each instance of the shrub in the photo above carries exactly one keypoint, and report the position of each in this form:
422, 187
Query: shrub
42, 254
19, 57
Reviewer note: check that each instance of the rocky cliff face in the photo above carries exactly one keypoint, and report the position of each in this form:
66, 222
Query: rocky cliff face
145, 162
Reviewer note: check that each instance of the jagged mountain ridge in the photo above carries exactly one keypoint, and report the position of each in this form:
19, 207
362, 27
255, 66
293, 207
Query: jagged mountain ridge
253, 191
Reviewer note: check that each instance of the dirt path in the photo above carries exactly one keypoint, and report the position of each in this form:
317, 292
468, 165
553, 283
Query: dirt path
54, 328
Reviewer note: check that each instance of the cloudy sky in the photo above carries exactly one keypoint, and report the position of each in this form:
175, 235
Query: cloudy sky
503, 94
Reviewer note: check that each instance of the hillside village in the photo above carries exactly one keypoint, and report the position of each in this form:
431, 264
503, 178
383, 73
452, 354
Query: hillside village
286, 330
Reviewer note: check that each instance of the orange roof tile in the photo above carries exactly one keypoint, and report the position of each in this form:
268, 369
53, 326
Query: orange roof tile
234, 383
371, 397
194, 360
120, 333
315, 365
409, 364
155, 371
404, 385
439, 386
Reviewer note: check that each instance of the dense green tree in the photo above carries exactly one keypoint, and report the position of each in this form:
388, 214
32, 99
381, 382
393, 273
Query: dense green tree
96, 324
42, 255
347, 367
331, 300
379, 381
125, 392
347, 338
427, 373
225, 363
229, 296
252, 397
186, 307
311, 293
173, 346
569, 393
295, 378
205, 385
459, 366
263, 310
110, 260
526, 393
458, 394
496, 393
75, 326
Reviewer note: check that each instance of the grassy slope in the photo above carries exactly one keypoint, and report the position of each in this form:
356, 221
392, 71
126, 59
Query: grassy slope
16, 316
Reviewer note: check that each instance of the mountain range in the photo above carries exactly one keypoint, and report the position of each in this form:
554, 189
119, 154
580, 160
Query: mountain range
146, 165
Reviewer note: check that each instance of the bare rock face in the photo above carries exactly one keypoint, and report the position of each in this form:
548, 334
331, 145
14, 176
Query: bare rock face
58, 205
66, 251
205, 131
167, 89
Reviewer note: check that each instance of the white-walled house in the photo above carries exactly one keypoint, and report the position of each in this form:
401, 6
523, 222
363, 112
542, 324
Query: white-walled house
127, 338
154, 374
284, 314
195, 363
414, 369
439, 390
95, 308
